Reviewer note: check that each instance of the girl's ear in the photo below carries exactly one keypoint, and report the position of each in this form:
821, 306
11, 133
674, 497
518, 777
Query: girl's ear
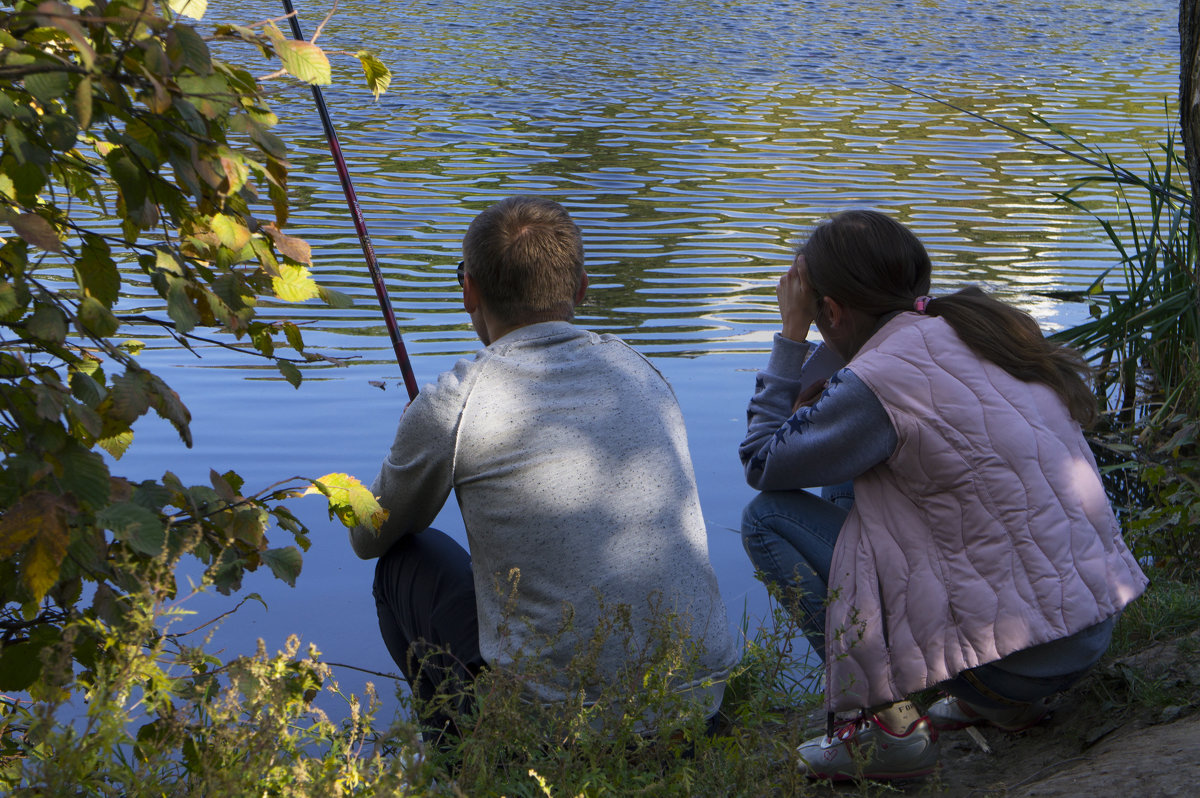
835, 313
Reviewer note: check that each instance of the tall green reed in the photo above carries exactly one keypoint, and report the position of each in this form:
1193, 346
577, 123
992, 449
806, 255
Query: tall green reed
1144, 334
1143, 339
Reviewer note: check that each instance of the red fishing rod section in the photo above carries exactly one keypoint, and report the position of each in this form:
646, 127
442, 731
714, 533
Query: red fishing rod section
410, 380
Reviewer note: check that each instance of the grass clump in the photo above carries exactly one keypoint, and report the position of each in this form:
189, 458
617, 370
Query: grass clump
1152, 662
638, 734
169, 719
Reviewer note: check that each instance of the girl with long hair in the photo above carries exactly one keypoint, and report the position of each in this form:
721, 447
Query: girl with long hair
963, 538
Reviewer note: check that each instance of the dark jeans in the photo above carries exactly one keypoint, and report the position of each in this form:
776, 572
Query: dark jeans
425, 598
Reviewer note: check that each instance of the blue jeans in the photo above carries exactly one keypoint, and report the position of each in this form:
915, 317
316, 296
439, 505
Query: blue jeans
790, 535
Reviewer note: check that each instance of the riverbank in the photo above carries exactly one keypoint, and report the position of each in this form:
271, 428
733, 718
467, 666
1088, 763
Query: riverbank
1095, 744
1131, 728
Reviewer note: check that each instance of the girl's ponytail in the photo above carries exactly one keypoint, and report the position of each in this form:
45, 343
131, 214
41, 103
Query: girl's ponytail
1012, 340
869, 261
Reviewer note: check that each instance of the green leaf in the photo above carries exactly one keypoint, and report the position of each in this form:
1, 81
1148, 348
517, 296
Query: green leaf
146, 142
209, 94
180, 307
130, 398
304, 60
130, 179
46, 87
50, 401
96, 318
9, 300
86, 476
188, 50
37, 231
139, 528
27, 178
260, 336
83, 103
189, 8
28, 153
97, 272
44, 557
60, 131
169, 406
85, 418
290, 372
285, 563
277, 189
294, 339
86, 389
233, 480
22, 520
48, 323
379, 77
20, 665
116, 445
335, 299
226, 572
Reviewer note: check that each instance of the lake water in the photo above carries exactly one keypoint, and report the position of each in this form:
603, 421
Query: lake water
693, 142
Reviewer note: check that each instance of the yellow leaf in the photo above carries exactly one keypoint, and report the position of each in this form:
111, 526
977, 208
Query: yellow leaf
294, 284
189, 8
305, 60
45, 556
349, 500
230, 231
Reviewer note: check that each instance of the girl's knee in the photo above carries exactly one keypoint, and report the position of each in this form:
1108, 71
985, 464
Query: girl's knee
753, 515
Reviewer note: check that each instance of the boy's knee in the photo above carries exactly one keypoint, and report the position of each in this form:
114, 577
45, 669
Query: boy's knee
388, 566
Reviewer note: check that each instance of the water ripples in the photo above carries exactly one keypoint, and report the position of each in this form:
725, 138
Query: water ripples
695, 142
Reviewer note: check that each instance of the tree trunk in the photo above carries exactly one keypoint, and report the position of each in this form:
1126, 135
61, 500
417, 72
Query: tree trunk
1189, 91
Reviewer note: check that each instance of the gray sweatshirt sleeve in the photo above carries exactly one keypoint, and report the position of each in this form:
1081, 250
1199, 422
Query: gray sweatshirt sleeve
416, 477
846, 432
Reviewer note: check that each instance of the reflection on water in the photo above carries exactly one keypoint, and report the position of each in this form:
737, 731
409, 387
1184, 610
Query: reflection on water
693, 141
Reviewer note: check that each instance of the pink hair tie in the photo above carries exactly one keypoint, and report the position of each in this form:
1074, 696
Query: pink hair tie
921, 302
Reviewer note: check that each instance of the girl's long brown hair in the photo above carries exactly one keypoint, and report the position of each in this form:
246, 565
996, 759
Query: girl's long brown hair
872, 263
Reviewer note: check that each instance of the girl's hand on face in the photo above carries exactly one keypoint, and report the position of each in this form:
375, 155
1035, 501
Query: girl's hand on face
797, 301
809, 397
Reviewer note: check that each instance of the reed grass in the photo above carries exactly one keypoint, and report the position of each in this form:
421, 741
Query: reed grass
1142, 338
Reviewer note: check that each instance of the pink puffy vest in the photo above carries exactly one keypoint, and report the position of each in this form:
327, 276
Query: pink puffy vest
987, 531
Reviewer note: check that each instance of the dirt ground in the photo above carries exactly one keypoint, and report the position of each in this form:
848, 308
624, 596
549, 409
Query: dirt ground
1097, 743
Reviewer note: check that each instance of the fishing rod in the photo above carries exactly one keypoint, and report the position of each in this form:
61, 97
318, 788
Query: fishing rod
385, 304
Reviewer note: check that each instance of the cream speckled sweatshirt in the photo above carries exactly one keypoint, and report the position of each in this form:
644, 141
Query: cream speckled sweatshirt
568, 456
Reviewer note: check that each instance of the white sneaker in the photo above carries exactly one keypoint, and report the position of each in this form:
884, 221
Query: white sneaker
952, 713
863, 748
